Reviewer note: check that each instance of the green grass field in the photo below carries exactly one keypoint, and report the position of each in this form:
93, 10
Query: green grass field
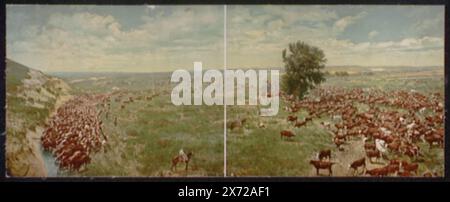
255, 151
150, 132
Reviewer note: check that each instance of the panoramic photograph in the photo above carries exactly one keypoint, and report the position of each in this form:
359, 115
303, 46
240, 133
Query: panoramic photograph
215, 91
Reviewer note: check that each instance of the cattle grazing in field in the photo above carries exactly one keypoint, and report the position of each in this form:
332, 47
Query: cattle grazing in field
338, 142
378, 172
394, 146
393, 168
394, 162
369, 146
391, 126
299, 124
410, 167
286, 134
292, 118
358, 163
373, 154
341, 136
433, 138
325, 154
322, 165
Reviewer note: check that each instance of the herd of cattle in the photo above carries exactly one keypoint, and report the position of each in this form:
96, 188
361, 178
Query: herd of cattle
75, 132
391, 127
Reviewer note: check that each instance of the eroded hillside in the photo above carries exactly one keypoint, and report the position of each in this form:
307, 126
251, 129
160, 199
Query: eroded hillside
30, 98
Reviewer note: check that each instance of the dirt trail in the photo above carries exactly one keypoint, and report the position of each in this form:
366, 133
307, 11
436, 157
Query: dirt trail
353, 150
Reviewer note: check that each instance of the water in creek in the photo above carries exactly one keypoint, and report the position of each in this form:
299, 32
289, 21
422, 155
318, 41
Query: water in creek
50, 163
47, 157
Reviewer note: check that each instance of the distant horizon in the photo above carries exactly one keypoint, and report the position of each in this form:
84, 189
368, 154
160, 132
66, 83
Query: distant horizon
333, 66
220, 69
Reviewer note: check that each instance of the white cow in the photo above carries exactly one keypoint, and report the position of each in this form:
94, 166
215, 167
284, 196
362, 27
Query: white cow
380, 145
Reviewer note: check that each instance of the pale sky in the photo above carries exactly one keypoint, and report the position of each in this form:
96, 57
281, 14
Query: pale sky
165, 38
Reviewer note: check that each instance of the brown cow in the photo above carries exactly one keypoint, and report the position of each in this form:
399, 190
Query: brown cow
341, 136
325, 154
393, 168
300, 124
308, 119
358, 163
322, 165
394, 146
410, 167
369, 146
383, 171
286, 133
292, 118
434, 138
373, 153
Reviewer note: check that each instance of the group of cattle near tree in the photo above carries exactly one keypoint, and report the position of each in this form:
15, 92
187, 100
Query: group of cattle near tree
391, 127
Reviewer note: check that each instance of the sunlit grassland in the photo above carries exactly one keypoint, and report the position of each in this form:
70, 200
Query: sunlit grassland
255, 151
150, 132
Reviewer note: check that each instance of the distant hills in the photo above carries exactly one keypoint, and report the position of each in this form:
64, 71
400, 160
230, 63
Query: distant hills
281, 69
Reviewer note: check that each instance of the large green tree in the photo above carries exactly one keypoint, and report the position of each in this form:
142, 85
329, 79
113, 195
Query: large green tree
303, 65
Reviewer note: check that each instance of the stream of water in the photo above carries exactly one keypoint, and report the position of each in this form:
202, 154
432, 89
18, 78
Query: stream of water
50, 163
